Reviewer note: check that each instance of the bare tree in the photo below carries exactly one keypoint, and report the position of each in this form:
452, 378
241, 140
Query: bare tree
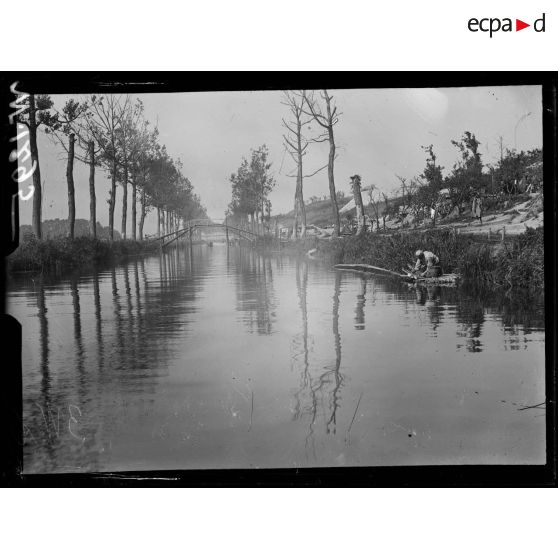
326, 121
296, 145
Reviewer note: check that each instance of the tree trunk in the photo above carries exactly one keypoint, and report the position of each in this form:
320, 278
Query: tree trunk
142, 217
357, 196
332, 194
92, 199
299, 196
112, 201
124, 199
71, 188
296, 215
38, 194
134, 209
158, 222
330, 162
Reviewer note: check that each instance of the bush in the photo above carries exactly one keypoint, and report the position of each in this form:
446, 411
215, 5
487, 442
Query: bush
516, 264
43, 255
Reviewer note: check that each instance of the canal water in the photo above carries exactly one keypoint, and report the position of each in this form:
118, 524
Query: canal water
234, 359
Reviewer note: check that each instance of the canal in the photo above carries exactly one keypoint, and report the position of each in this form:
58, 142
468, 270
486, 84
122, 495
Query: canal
228, 358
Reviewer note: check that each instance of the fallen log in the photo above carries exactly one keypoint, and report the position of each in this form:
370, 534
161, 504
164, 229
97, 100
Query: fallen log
446, 279
368, 268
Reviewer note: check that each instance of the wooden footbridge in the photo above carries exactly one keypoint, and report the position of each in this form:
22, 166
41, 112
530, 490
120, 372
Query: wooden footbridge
206, 224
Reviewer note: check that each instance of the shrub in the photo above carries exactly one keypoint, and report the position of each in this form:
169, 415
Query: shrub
516, 264
44, 255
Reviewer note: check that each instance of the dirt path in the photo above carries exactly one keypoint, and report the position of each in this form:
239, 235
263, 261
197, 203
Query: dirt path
514, 220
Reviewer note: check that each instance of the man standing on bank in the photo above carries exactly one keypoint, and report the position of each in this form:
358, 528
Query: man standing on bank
428, 264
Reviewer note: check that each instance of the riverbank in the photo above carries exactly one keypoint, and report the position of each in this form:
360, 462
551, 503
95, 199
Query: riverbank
516, 263
65, 253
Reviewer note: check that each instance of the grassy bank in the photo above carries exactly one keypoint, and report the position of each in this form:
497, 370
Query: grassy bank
64, 253
517, 263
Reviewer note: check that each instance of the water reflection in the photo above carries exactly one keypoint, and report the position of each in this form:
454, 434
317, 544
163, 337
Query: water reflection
337, 376
79, 350
254, 291
118, 324
430, 297
470, 318
98, 321
361, 301
43, 407
152, 346
319, 389
96, 353
300, 359
43, 328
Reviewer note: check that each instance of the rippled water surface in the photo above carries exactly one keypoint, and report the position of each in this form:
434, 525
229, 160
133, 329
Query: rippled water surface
232, 359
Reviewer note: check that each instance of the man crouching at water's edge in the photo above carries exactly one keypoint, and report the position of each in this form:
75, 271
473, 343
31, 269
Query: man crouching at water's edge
428, 264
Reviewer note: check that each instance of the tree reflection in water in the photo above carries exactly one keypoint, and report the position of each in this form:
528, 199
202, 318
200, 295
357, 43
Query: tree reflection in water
118, 321
323, 390
39, 421
254, 291
78, 338
86, 376
128, 325
98, 322
361, 301
338, 378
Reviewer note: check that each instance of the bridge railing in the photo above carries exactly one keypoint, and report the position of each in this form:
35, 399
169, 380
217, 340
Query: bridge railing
219, 223
193, 224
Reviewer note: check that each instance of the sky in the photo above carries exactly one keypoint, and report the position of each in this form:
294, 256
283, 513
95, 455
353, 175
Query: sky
379, 136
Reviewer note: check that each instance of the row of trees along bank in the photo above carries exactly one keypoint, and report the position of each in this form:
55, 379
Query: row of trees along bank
251, 185
110, 132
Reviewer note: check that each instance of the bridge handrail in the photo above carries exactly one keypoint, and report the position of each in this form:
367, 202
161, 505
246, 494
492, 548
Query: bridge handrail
202, 223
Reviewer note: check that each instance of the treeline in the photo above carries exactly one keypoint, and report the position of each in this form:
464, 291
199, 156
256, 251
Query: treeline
432, 195
251, 185
111, 133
